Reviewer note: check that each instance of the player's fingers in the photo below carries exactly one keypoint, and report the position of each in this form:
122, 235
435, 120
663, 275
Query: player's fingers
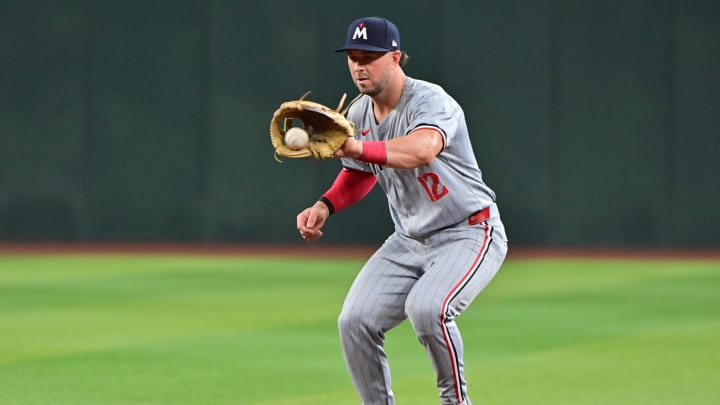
311, 235
316, 218
311, 219
309, 223
302, 220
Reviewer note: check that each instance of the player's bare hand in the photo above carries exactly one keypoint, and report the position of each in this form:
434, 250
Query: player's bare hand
352, 148
311, 220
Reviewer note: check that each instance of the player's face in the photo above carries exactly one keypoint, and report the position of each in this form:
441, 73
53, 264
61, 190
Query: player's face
371, 71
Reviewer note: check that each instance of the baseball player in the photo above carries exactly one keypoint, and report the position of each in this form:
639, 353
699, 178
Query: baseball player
448, 243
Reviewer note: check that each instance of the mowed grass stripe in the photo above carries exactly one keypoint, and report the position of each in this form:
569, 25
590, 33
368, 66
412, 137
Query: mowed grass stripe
657, 367
232, 330
185, 297
650, 338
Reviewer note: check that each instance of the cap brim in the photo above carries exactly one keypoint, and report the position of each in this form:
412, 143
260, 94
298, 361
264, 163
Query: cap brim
361, 47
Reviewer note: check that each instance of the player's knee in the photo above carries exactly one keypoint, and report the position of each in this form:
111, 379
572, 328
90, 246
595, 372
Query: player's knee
353, 321
424, 316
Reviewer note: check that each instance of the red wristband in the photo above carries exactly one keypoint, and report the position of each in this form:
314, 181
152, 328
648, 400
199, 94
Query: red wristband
374, 152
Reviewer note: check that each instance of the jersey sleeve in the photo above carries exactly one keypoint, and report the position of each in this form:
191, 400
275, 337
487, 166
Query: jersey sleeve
435, 111
349, 163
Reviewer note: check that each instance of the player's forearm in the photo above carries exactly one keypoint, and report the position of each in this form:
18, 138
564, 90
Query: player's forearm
414, 150
349, 187
402, 154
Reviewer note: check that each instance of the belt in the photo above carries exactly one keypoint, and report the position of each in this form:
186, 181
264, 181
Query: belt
480, 216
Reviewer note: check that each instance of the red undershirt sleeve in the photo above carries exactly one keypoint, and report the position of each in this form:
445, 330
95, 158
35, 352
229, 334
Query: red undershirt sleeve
349, 187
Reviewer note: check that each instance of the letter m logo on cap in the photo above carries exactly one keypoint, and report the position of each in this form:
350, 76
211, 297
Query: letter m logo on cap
360, 32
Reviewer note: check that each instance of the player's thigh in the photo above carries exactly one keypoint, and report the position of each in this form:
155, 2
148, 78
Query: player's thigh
460, 265
380, 289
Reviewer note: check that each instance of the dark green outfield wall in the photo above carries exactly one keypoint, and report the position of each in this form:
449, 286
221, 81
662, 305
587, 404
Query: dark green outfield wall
597, 122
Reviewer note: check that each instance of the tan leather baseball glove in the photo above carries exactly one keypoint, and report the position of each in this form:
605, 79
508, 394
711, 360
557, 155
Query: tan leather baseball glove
327, 128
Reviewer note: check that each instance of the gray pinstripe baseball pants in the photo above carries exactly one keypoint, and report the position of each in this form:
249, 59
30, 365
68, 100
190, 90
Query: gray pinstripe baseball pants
429, 282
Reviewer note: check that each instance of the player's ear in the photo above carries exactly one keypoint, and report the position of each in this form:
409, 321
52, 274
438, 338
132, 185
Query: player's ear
397, 56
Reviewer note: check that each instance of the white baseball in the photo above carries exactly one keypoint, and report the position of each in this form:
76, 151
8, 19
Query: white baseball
296, 138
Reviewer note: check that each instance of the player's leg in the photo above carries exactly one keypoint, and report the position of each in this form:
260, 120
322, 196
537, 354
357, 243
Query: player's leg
374, 305
462, 262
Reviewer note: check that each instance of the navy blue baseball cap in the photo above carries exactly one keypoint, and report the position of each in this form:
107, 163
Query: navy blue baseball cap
372, 34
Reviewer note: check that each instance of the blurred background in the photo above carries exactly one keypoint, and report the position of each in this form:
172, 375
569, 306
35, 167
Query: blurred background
596, 122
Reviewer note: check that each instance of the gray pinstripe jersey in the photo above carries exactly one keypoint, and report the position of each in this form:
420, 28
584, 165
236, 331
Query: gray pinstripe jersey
437, 195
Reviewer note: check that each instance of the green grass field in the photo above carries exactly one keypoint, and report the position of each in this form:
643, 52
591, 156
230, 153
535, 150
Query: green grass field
231, 330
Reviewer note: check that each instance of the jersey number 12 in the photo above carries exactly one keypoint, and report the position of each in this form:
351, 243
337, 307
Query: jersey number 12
433, 187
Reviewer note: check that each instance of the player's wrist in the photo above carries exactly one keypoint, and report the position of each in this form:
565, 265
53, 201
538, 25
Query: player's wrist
373, 152
328, 204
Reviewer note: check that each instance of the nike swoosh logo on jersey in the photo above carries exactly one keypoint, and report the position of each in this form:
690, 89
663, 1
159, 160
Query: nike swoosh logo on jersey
364, 132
